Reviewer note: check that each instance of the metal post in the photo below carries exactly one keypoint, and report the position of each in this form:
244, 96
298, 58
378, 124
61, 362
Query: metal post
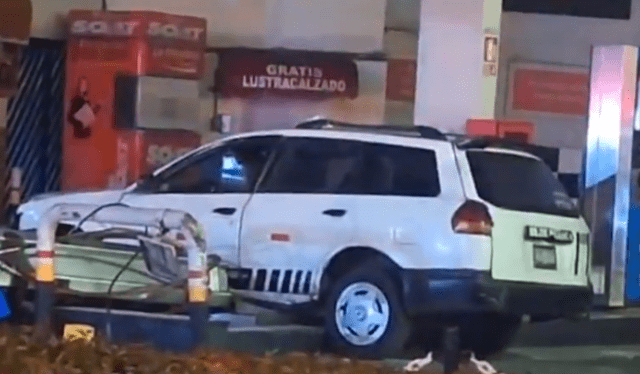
197, 283
451, 347
191, 237
45, 273
608, 166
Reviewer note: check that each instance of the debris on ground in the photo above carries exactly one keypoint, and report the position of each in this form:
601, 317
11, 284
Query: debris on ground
20, 354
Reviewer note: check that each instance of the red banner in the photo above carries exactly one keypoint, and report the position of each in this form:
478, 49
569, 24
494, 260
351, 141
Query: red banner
401, 80
313, 75
171, 45
549, 91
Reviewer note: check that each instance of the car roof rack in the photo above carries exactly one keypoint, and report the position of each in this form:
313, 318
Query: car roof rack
420, 131
463, 141
549, 155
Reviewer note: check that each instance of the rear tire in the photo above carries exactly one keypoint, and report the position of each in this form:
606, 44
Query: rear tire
364, 314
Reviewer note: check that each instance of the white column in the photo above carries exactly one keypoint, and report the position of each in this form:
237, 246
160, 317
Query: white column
451, 85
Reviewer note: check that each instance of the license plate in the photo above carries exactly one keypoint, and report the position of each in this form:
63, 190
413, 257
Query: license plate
549, 234
544, 257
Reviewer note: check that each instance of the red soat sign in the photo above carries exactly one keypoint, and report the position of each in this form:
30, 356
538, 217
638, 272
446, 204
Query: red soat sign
248, 73
137, 24
103, 46
127, 29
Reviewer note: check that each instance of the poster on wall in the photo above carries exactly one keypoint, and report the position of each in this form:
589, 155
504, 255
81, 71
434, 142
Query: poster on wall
536, 89
248, 73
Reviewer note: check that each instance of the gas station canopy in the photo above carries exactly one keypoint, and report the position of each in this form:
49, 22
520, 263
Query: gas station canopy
15, 21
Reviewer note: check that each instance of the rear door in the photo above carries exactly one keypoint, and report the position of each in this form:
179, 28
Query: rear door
538, 235
407, 196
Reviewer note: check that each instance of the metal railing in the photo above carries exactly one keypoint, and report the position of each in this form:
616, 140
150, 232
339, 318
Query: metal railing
164, 220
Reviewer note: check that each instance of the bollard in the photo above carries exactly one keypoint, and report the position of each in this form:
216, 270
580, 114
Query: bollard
451, 348
45, 297
197, 285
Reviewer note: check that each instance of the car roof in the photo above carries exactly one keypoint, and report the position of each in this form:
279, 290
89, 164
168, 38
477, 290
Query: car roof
505, 151
365, 136
384, 138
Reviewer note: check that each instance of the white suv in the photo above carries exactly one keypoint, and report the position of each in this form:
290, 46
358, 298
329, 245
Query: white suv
382, 231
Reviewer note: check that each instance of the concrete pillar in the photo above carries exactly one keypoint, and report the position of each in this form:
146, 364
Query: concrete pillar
3, 111
452, 84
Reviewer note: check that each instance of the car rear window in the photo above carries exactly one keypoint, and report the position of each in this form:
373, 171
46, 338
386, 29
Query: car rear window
519, 183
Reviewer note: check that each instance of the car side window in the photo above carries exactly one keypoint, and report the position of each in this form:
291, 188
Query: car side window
399, 171
313, 165
232, 167
243, 161
198, 176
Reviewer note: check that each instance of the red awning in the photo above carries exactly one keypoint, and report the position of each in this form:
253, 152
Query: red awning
15, 21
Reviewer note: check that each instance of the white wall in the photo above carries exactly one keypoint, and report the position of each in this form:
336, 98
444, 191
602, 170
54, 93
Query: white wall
229, 23
327, 25
450, 86
558, 40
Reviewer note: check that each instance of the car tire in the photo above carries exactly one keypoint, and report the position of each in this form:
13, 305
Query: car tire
490, 334
364, 315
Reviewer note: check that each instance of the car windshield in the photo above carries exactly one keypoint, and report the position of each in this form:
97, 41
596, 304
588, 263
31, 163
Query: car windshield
520, 183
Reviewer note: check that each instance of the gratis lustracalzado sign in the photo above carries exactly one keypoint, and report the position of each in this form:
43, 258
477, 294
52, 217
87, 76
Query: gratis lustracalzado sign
254, 73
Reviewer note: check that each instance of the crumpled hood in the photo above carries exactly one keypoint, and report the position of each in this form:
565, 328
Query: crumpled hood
34, 209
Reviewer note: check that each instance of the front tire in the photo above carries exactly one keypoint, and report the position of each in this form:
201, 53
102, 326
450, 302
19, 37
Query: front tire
364, 315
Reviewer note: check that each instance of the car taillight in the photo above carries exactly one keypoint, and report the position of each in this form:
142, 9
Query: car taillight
472, 218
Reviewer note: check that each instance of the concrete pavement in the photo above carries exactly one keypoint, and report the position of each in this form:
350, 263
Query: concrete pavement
608, 343
564, 360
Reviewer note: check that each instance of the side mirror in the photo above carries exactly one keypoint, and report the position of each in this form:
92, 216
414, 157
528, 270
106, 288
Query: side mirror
145, 181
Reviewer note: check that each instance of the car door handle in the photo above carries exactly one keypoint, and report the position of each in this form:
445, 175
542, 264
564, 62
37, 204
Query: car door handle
225, 211
335, 212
